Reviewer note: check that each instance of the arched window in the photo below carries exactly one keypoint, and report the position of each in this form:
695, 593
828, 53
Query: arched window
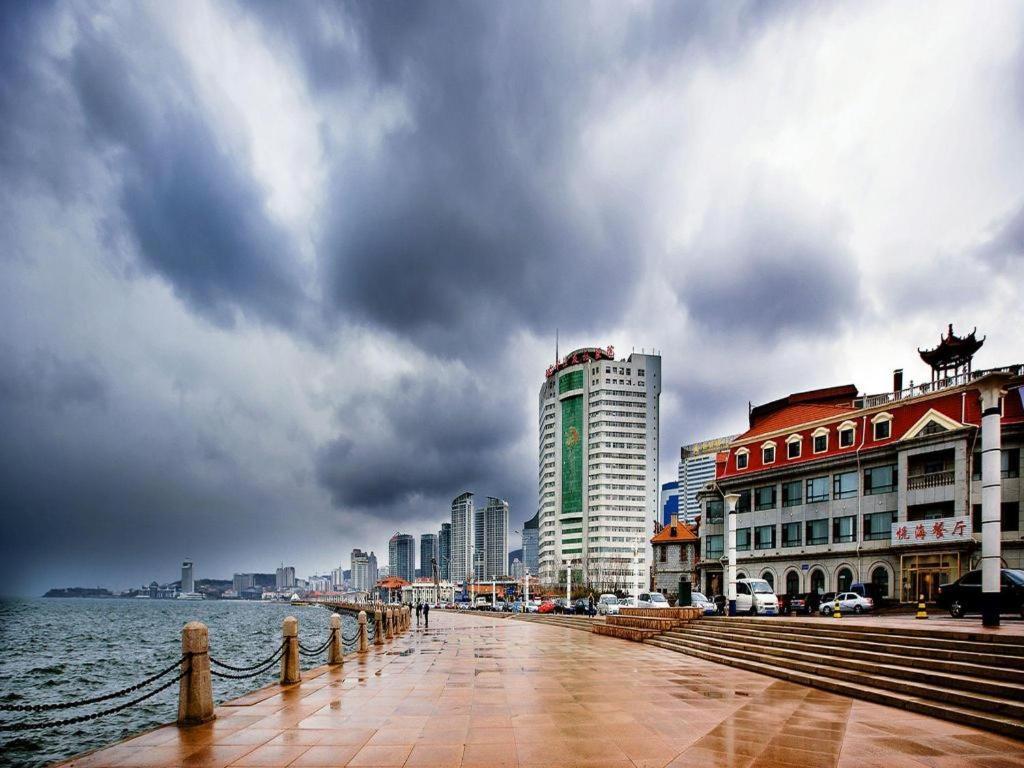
880, 580
770, 578
792, 583
740, 575
844, 579
818, 581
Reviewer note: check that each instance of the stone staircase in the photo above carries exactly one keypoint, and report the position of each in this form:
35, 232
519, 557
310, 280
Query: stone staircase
971, 678
639, 624
570, 621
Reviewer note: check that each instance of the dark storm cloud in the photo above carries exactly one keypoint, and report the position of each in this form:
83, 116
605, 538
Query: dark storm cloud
765, 272
437, 436
1005, 248
46, 378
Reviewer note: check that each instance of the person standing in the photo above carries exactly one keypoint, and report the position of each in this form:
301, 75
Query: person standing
419, 609
426, 615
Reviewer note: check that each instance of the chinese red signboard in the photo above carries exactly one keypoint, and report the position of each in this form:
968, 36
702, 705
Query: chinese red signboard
932, 531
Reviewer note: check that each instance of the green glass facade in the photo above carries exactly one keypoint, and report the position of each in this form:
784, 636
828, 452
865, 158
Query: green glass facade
570, 381
572, 452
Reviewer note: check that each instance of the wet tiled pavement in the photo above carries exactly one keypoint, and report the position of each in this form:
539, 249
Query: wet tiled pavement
482, 691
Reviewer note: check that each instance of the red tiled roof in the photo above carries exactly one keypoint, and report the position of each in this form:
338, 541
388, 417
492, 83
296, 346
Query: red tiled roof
794, 415
683, 533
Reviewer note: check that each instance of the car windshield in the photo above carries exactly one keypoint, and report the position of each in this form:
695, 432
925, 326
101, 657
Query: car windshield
1015, 575
698, 597
610, 600
760, 588
657, 597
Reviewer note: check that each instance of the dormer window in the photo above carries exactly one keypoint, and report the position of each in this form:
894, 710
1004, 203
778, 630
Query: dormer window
847, 434
820, 440
742, 458
882, 424
768, 453
793, 445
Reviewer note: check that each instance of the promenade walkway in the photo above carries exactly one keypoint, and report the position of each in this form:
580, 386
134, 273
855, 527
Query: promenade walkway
485, 691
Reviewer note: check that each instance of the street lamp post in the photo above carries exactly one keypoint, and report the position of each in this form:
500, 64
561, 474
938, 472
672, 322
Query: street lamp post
992, 391
730, 508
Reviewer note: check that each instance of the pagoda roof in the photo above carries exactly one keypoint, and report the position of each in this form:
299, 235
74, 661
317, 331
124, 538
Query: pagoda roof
952, 350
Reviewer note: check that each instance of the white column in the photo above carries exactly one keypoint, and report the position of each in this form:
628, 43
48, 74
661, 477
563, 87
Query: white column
991, 498
730, 514
526, 587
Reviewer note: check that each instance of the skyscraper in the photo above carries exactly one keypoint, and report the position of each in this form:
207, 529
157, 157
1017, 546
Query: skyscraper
598, 467
402, 556
495, 539
360, 565
187, 582
444, 552
531, 539
697, 469
428, 554
462, 537
285, 578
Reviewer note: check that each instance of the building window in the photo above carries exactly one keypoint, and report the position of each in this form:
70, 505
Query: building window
880, 479
770, 578
715, 510
663, 554
743, 505
976, 465
844, 485
817, 489
792, 493
817, 581
742, 539
764, 497
764, 537
793, 443
882, 424
791, 535
820, 438
844, 580
792, 583
842, 530
878, 526
768, 454
1009, 516
714, 545
880, 581
846, 434
1009, 463
742, 458
817, 532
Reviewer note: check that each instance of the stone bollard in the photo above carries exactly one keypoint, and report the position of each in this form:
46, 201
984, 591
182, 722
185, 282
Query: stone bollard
364, 643
195, 690
335, 653
290, 661
378, 628
407, 616
391, 624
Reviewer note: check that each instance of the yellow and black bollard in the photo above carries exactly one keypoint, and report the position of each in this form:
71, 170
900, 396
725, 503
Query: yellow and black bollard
837, 612
922, 613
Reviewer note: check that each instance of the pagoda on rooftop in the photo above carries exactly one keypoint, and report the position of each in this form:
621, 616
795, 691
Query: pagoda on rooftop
953, 355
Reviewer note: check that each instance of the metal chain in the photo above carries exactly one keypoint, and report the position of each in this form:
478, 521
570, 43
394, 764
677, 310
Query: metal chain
263, 663
95, 699
94, 715
318, 650
266, 668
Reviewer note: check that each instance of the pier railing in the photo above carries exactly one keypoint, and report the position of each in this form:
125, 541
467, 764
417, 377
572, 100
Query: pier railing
194, 670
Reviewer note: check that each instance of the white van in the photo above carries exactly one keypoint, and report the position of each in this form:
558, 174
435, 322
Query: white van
756, 596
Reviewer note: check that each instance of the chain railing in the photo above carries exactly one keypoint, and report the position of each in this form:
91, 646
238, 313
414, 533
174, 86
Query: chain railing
196, 668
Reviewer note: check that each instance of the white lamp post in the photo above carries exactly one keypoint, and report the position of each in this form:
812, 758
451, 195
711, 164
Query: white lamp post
568, 585
730, 510
992, 391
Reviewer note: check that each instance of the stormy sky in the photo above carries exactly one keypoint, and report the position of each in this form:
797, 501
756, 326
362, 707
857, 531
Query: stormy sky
280, 279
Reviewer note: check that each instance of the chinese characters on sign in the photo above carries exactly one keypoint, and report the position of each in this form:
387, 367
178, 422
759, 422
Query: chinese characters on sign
932, 531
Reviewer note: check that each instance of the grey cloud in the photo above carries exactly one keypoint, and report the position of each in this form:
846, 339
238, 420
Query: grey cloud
1006, 244
46, 378
764, 272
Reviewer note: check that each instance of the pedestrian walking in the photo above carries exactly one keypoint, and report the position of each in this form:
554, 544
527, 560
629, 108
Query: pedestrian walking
419, 609
426, 615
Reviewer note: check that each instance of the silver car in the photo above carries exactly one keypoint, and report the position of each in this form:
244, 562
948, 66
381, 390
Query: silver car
608, 605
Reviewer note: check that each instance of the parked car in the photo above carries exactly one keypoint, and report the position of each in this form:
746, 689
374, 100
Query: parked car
653, 600
848, 602
581, 607
800, 603
562, 605
482, 604
608, 605
756, 596
698, 600
627, 602
548, 606
964, 595
532, 606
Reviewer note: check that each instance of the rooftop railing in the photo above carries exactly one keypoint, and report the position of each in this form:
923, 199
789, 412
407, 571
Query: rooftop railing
930, 387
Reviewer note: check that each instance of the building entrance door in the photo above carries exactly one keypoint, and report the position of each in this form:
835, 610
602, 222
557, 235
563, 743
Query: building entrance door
922, 574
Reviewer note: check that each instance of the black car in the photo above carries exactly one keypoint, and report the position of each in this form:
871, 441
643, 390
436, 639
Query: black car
795, 603
964, 594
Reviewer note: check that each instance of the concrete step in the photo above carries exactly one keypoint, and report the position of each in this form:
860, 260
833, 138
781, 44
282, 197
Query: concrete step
937, 638
572, 622
686, 613
988, 681
997, 723
1006, 669
645, 622
635, 634
880, 678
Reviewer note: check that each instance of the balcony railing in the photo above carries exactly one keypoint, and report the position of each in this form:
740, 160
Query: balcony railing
870, 401
930, 480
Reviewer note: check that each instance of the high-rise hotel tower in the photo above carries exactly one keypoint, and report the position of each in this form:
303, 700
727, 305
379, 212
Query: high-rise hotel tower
598, 478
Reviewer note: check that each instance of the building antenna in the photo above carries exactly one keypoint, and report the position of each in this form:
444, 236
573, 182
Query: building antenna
556, 346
